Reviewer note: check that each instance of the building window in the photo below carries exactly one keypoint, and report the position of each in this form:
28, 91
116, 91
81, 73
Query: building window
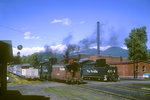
137, 69
144, 69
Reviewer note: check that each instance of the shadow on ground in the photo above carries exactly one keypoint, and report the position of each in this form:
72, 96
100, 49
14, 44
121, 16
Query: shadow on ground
16, 95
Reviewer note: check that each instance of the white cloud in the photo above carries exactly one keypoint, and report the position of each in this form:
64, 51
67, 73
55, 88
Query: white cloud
27, 35
27, 51
124, 48
65, 21
102, 48
58, 48
82, 22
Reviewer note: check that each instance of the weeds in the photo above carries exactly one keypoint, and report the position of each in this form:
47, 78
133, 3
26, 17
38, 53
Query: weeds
18, 80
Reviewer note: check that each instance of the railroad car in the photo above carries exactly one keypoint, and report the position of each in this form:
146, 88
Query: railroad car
98, 70
24, 70
45, 70
69, 73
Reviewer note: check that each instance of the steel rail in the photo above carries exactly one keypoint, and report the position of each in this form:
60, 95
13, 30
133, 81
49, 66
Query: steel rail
133, 89
109, 92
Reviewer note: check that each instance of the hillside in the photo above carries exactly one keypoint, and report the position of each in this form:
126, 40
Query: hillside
112, 51
115, 51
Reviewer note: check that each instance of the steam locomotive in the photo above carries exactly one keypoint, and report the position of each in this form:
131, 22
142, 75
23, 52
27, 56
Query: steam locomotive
98, 70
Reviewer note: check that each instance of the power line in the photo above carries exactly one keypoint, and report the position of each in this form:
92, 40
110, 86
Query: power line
10, 28
13, 29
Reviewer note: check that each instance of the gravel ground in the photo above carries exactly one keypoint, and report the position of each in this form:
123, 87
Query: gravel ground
61, 91
36, 89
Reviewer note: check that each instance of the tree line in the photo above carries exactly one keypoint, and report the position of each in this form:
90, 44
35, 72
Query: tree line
36, 58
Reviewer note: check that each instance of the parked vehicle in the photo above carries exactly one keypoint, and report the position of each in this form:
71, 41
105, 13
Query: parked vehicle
146, 75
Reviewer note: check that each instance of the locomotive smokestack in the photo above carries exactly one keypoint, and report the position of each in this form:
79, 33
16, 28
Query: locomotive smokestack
98, 39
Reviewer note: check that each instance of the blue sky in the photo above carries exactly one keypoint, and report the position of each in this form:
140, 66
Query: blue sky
35, 23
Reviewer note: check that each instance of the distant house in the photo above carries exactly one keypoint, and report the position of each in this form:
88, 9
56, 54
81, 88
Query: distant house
126, 68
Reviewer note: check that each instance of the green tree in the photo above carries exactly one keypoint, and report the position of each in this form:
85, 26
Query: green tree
149, 56
136, 44
70, 48
34, 60
16, 60
31, 59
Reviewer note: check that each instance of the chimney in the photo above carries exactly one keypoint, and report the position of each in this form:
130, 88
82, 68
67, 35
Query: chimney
98, 39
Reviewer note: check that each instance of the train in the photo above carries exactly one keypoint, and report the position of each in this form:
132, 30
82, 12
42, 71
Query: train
73, 72
88, 69
98, 70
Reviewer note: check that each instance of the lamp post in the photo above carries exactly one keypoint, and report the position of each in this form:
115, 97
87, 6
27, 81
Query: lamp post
133, 44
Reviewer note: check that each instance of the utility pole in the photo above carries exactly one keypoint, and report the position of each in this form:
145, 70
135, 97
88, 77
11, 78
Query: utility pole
41, 72
134, 57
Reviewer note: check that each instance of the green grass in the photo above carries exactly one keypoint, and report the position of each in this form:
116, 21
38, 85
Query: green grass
77, 93
146, 88
17, 80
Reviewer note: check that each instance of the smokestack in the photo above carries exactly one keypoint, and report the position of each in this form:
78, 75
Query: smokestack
98, 39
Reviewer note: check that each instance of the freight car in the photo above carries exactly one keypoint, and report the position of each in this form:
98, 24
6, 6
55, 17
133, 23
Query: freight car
45, 69
24, 70
98, 70
69, 73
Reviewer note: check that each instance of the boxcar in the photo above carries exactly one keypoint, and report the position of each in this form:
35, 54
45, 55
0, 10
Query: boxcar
69, 73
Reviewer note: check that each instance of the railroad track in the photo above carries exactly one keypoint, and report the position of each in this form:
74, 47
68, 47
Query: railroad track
131, 89
102, 90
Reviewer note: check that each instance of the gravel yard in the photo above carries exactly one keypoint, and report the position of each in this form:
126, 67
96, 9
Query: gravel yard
61, 91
